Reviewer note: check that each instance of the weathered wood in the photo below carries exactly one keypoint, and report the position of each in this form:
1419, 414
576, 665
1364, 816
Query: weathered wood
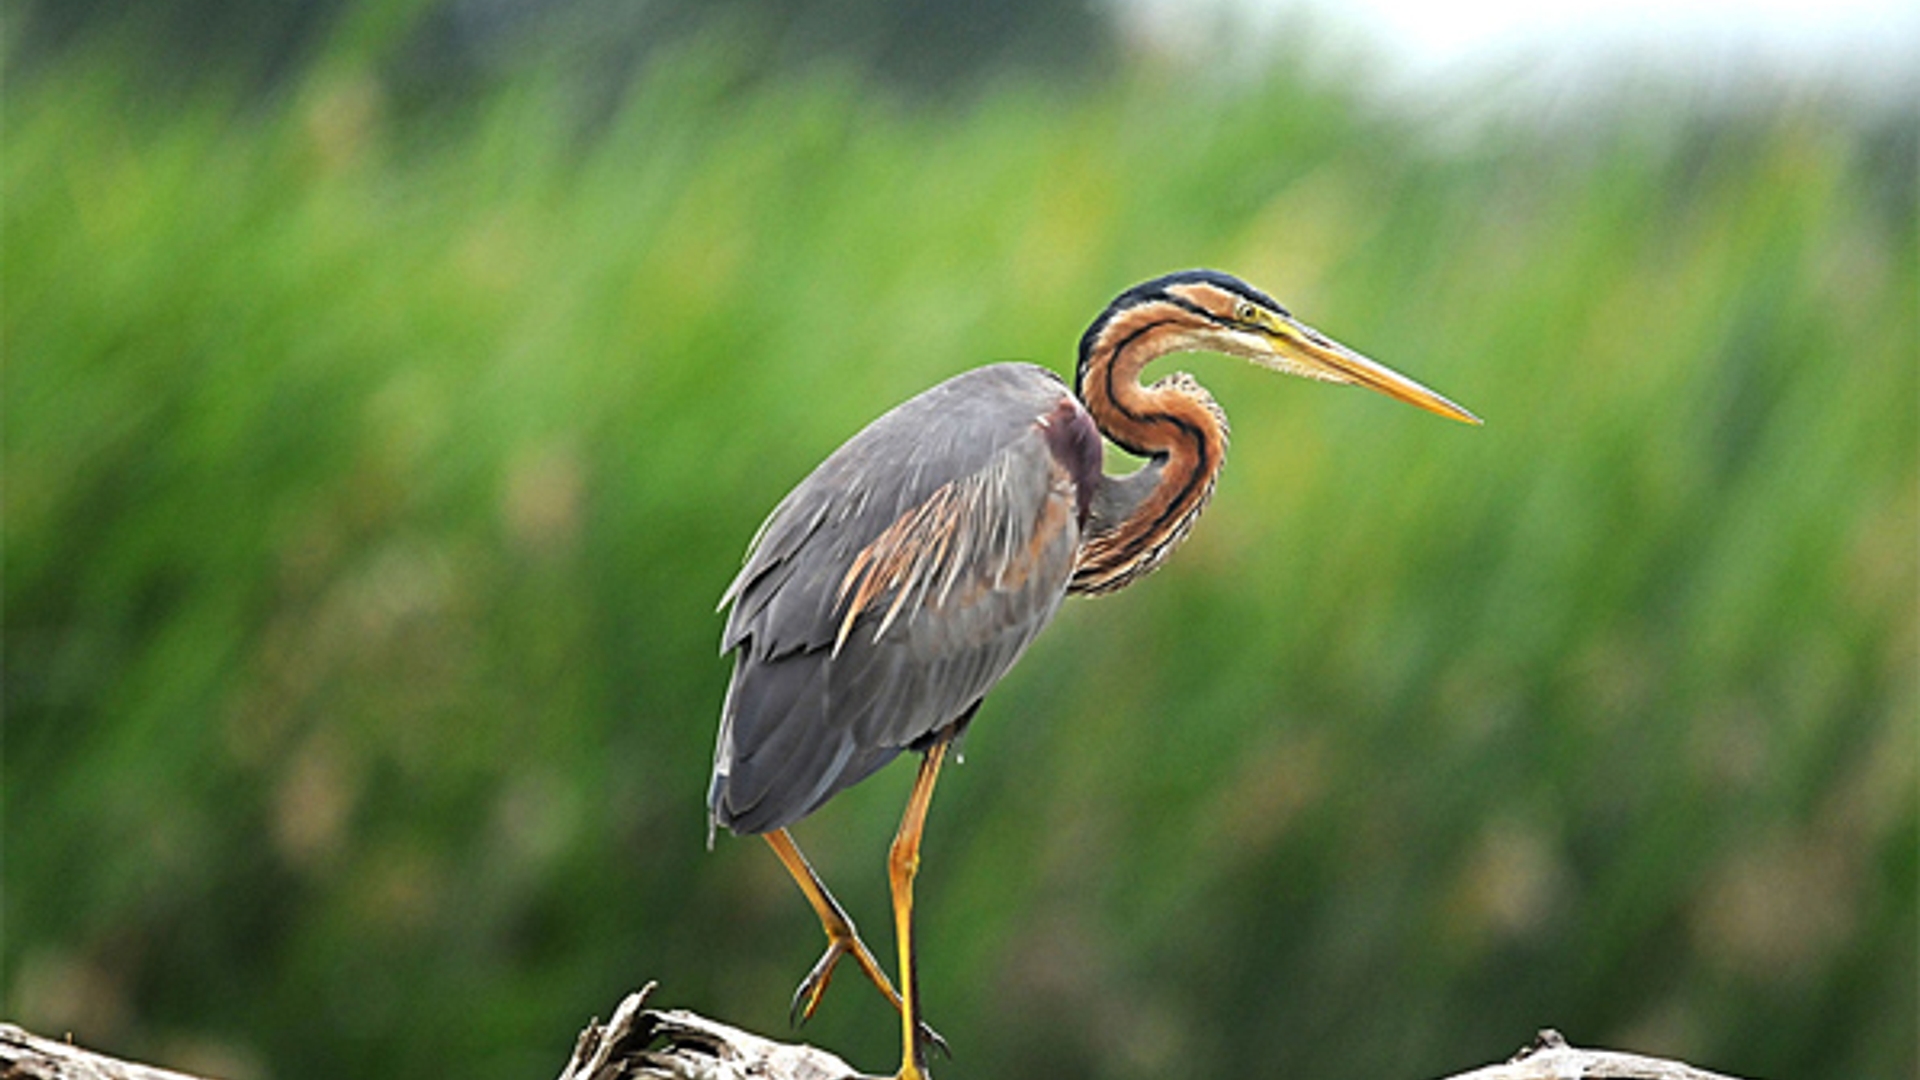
639, 1043
1549, 1057
646, 1044
26, 1056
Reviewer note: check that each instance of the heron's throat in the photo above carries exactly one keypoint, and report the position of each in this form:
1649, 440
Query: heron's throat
1136, 521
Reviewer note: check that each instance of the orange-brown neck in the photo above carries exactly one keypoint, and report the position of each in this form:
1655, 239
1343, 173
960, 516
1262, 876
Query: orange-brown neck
1137, 520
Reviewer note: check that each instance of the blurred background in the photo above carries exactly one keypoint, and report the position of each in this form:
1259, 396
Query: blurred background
392, 388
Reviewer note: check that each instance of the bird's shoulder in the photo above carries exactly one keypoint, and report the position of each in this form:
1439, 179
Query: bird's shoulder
974, 444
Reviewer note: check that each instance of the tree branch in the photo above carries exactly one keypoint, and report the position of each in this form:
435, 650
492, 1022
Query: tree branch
1549, 1057
26, 1056
639, 1043
689, 1047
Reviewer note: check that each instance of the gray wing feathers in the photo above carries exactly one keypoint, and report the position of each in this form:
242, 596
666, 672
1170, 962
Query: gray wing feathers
889, 591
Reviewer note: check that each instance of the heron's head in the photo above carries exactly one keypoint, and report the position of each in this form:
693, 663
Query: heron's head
1209, 311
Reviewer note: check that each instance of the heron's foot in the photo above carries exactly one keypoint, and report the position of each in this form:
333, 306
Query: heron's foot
812, 988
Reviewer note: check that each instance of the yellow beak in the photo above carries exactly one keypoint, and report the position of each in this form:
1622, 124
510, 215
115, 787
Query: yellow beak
1302, 350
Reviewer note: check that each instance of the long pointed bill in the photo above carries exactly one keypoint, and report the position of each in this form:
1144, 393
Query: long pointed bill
1303, 350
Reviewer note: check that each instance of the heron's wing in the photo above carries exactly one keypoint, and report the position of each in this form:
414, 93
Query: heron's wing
891, 590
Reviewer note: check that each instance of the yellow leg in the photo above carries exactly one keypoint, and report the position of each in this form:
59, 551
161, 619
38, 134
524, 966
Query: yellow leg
902, 863
842, 939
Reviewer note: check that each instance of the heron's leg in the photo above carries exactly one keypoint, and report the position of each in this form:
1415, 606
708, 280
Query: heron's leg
842, 939
902, 863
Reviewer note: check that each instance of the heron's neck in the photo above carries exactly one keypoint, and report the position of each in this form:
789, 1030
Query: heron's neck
1135, 521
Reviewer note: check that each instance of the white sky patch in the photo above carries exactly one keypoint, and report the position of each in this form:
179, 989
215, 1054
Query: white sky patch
1870, 46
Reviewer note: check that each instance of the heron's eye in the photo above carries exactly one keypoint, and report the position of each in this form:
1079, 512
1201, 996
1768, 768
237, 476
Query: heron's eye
1244, 311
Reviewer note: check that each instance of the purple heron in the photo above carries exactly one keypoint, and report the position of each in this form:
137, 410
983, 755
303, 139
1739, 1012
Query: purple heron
887, 593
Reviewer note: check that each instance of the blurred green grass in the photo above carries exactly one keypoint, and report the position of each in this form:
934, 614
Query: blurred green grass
369, 485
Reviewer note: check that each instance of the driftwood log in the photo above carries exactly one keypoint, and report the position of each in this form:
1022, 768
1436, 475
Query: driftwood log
26, 1056
638, 1043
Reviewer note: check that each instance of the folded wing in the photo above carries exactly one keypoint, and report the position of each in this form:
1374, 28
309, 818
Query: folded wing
890, 590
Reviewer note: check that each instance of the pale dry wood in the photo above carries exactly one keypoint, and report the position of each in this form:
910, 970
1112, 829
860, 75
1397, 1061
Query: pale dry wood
26, 1056
639, 1043
1550, 1058
647, 1044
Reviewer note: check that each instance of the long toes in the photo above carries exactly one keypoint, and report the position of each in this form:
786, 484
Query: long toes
932, 1040
807, 997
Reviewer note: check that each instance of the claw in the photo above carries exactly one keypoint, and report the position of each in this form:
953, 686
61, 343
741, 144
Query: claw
933, 1040
806, 998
